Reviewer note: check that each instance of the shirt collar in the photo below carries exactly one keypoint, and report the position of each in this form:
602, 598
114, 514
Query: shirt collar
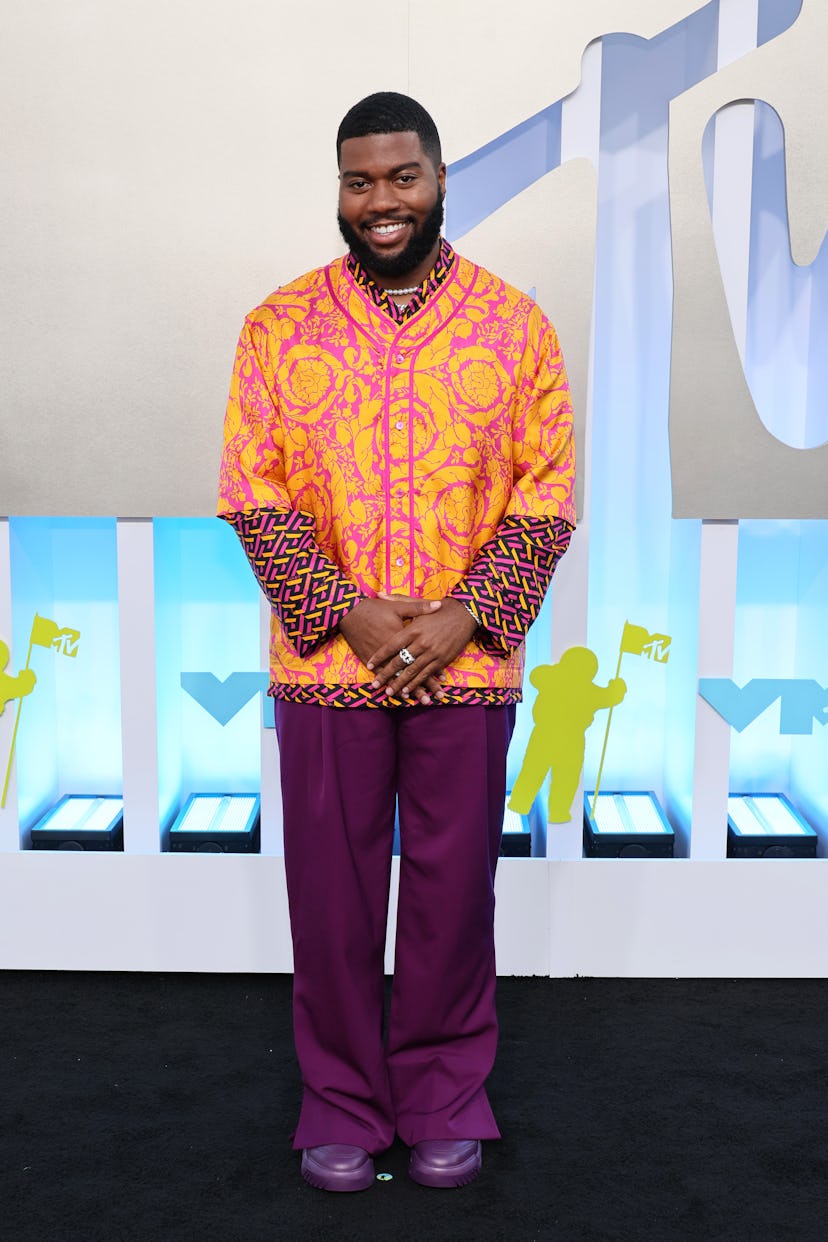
380, 296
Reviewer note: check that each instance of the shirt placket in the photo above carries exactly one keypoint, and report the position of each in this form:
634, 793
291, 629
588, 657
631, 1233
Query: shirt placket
399, 467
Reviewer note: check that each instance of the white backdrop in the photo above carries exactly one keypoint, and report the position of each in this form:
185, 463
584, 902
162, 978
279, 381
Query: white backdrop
166, 165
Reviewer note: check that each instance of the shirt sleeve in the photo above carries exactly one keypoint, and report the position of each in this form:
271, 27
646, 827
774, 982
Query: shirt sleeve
505, 586
304, 586
509, 577
543, 441
308, 592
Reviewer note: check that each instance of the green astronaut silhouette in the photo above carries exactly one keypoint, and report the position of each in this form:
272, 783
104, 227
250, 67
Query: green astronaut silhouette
13, 687
564, 709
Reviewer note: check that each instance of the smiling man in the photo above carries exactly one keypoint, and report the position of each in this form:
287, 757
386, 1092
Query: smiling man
399, 467
390, 213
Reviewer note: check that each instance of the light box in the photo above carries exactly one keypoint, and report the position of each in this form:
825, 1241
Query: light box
217, 824
767, 826
626, 825
81, 822
516, 841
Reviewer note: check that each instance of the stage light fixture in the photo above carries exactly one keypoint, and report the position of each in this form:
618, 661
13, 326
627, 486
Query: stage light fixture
77, 822
626, 825
217, 824
767, 826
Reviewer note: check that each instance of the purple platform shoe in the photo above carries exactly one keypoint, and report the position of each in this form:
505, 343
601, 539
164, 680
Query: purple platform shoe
445, 1162
337, 1166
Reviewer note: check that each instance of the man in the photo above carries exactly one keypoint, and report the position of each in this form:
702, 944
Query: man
398, 464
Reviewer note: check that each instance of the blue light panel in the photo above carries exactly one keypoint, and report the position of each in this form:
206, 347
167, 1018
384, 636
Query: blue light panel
76, 815
628, 813
512, 822
769, 815
210, 813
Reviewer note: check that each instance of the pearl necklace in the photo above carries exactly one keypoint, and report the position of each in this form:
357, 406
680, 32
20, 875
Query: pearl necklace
399, 292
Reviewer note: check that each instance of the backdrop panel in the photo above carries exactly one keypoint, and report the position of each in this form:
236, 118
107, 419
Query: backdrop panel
167, 166
725, 463
512, 61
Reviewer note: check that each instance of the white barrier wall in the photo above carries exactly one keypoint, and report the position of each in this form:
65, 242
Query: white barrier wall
168, 165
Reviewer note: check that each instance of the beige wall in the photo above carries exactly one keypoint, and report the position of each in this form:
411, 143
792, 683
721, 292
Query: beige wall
167, 164
725, 463
171, 162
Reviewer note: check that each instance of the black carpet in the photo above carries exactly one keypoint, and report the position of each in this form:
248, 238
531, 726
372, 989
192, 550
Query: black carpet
160, 1106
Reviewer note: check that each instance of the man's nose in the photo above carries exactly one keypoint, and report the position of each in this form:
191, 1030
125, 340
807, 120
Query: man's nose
383, 197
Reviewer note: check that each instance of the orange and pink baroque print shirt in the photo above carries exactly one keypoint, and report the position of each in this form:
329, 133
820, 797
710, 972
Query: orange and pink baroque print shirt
427, 453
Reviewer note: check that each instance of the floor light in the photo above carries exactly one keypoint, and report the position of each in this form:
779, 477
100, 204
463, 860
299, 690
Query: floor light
767, 826
626, 825
217, 824
79, 822
516, 841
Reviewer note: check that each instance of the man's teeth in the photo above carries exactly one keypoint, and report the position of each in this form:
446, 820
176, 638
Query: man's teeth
386, 228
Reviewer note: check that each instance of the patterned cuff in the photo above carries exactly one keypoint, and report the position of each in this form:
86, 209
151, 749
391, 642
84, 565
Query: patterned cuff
308, 591
470, 610
505, 586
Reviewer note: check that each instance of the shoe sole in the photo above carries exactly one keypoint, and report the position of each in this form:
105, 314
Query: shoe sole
441, 1179
323, 1179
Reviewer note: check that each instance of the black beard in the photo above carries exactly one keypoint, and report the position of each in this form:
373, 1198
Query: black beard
419, 247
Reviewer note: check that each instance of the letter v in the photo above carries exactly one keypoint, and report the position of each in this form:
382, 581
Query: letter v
740, 707
223, 699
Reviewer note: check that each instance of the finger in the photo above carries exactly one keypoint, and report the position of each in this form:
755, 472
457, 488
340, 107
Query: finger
434, 685
416, 633
410, 606
390, 670
429, 689
414, 675
387, 663
388, 651
396, 673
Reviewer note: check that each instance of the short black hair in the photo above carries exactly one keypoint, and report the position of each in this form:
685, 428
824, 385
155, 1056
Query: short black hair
386, 112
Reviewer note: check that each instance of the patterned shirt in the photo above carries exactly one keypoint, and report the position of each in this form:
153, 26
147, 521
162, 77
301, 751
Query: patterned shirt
423, 450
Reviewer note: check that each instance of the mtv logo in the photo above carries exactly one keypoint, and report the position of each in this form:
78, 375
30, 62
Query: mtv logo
66, 642
658, 648
801, 701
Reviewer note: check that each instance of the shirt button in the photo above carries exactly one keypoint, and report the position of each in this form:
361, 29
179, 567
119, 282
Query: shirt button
400, 426
399, 562
399, 359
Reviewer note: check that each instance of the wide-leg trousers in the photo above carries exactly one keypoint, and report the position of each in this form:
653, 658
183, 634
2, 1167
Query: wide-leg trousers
343, 770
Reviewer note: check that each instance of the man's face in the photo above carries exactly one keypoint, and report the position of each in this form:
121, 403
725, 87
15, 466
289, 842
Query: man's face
391, 204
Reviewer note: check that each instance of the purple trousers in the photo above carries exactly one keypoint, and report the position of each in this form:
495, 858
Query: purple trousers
342, 770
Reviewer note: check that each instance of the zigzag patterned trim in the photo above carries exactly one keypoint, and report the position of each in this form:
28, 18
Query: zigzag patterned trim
308, 591
364, 696
379, 296
505, 586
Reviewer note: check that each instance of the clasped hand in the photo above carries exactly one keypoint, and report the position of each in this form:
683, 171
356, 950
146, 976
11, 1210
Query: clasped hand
433, 631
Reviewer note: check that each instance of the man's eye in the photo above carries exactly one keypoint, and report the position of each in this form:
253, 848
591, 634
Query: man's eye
357, 185
406, 177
